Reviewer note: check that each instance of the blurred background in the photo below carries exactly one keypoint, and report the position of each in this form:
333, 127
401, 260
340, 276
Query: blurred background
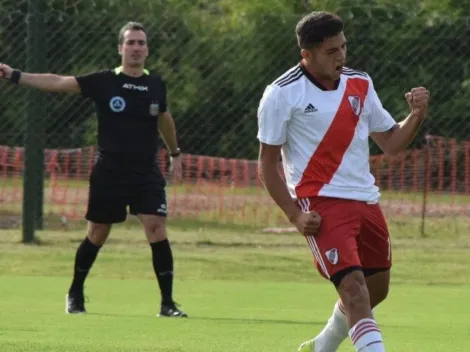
217, 57
241, 273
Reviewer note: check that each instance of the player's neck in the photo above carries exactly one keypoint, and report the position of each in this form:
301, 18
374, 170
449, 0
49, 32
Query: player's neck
325, 82
132, 71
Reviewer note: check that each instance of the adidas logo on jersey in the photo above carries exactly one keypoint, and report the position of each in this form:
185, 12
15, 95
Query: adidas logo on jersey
310, 108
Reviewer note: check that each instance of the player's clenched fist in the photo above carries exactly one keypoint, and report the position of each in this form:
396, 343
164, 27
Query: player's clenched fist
418, 99
308, 223
5, 71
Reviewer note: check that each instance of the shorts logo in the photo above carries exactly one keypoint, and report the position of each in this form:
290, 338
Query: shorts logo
154, 108
162, 209
117, 104
332, 256
355, 102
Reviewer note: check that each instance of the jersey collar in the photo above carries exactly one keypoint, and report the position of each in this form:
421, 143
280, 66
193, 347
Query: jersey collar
118, 70
313, 79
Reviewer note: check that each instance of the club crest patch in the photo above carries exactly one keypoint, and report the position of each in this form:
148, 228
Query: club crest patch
332, 256
355, 102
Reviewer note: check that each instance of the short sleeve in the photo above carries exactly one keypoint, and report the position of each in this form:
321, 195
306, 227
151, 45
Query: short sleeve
163, 100
91, 84
380, 119
273, 117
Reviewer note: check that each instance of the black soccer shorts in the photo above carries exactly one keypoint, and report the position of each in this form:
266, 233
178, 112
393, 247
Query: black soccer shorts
115, 186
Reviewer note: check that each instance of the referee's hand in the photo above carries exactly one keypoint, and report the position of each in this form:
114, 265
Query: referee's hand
5, 71
176, 167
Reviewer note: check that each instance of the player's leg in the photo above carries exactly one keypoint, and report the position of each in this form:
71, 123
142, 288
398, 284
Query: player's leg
332, 335
363, 329
149, 205
336, 329
334, 251
354, 291
378, 285
336, 255
105, 207
375, 254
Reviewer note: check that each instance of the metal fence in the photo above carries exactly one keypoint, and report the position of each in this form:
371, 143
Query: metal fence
216, 61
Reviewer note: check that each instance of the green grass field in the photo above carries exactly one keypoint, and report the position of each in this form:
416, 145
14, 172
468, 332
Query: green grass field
244, 291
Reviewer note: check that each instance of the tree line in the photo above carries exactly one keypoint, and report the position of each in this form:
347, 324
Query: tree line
218, 56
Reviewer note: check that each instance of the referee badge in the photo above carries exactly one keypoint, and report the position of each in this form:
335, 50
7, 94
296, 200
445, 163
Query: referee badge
117, 104
154, 108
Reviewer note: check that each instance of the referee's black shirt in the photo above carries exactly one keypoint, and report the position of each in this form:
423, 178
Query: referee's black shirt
127, 109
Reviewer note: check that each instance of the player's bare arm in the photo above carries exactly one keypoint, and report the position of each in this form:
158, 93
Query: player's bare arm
167, 130
43, 81
268, 160
397, 139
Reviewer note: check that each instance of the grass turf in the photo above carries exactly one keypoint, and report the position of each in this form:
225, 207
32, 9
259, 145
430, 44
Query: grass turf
244, 291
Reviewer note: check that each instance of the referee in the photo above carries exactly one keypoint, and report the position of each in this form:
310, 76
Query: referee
131, 106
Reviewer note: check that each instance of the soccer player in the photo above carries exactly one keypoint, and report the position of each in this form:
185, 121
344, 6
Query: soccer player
131, 105
318, 116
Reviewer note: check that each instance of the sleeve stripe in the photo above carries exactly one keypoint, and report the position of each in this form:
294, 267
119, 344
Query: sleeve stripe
292, 79
354, 73
350, 70
288, 76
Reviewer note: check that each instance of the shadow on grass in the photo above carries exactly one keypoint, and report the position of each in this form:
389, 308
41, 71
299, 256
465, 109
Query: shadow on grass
219, 319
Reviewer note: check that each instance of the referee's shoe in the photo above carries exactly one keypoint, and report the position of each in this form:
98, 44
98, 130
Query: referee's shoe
171, 310
75, 303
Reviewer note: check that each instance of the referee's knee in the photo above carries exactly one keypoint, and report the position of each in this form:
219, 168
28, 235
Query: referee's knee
98, 233
157, 234
155, 228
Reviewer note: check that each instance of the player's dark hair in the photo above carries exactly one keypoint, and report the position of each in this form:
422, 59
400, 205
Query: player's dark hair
317, 26
133, 26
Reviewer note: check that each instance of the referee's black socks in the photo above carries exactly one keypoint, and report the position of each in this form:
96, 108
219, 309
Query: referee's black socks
84, 259
162, 259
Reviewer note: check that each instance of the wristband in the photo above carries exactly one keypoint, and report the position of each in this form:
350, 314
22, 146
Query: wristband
176, 153
15, 76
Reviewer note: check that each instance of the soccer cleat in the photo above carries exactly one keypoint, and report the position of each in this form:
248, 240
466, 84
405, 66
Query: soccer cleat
170, 310
307, 346
75, 303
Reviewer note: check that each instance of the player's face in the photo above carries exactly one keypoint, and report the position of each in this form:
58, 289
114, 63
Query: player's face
134, 49
329, 58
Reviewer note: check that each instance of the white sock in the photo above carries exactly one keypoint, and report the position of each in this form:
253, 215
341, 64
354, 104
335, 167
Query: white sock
366, 336
334, 333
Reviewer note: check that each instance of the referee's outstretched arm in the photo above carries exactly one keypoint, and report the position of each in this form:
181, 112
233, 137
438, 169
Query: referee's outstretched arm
44, 81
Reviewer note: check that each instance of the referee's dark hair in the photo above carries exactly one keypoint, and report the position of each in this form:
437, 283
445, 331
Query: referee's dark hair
133, 26
317, 26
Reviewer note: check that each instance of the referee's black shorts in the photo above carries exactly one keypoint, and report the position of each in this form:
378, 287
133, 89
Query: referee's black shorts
116, 184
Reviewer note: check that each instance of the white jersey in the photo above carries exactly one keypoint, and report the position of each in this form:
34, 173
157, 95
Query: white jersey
324, 133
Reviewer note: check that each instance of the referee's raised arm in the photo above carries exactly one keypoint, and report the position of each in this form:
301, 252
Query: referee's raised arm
48, 82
